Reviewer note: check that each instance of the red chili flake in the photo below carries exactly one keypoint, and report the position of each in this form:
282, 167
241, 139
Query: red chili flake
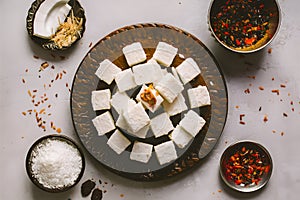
292, 103
261, 88
282, 85
243, 123
241, 116
252, 77
275, 91
265, 118
247, 91
270, 50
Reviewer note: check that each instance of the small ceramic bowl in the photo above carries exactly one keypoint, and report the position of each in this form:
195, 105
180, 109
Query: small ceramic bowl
34, 150
246, 166
244, 26
76, 11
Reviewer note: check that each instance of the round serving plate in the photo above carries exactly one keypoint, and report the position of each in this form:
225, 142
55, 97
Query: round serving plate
110, 47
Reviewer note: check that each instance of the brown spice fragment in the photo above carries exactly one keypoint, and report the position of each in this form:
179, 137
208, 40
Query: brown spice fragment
261, 88
265, 118
285, 115
58, 130
23, 80
35, 56
247, 91
24, 113
273, 78
29, 93
282, 133
241, 116
122, 195
275, 91
282, 85
44, 65
260, 108
90, 44
243, 123
252, 77
270, 50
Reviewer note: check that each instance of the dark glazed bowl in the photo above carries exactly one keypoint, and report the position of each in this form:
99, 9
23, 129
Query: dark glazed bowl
265, 158
28, 162
47, 43
270, 6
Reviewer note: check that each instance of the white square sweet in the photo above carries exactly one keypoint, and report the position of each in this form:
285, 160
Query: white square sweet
180, 137
136, 117
188, 70
176, 107
165, 152
141, 152
134, 53
107, 71
165, 53
101, 99
198, 96
161, 125
104, 123
125, 80
192, 123
169, 87
150, 98
146, 73
118, 142
142, 133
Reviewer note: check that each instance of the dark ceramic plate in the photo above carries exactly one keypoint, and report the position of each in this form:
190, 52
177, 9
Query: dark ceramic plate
33, 148
47, 43
110, 47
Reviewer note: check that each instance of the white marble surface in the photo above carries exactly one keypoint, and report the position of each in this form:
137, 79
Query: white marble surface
279, 134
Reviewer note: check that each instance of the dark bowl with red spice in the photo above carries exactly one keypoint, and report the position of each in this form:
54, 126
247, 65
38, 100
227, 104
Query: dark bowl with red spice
246, 166
244, 26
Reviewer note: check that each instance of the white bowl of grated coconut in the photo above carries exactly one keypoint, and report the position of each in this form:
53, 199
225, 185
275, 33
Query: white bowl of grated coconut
54, 163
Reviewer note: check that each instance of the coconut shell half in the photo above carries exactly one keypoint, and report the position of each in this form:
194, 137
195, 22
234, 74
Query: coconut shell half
78, 12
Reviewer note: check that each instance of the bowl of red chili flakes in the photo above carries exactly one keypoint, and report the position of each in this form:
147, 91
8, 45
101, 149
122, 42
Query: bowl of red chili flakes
246, 166
244, 26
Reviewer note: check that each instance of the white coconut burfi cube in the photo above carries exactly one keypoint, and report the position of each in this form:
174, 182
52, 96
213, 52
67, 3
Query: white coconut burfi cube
125, 80
192, 123
120, 101
134, 53
180, 137
176, 107
136, 117
198, 96
104, 123
150, 98
107, 71
188, 70
121, 123
161, 125
146, 73
101, 99
169, 87
165, 152
118, 142
141, 152
165, 53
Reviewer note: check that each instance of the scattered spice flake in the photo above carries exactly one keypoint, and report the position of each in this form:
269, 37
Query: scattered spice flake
52, 67
273, 131
44, 65
26, 70
24, 113
282, 85
64, 71
260, 108
247, 91
293, 109
36, 57
241, 116
273, 78
270, 50
56, 95
122, 195
243, 123
261, 88
285, 115
237, 107
23, 80
265, 118
29, 93
292, 103
67, 85
282, 133
90, 44
220, 191
252, 77
275, 91
58, 130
